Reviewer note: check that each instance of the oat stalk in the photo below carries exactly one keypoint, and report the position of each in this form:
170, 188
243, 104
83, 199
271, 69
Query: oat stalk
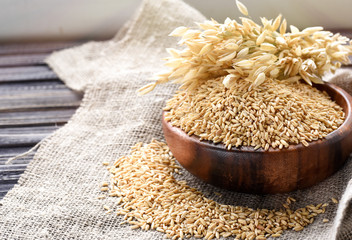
253, 52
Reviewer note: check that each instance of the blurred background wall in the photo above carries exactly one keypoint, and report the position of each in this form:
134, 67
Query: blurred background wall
27, 20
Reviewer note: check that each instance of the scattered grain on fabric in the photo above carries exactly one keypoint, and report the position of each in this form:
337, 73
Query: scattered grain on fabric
151, 198
101, 197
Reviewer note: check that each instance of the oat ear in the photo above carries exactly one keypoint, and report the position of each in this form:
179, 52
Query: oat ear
242, 8
214, 50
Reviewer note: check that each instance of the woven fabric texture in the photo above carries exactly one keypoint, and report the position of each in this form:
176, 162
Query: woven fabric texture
56, 198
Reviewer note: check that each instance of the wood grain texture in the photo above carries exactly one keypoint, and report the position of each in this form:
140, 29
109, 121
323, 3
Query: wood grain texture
26, 74
22, 60
33, 104
28, 48
25, 136
37, 95
52, 116
256, 171
6, 153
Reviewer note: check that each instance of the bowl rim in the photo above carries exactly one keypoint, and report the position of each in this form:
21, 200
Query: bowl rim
334, 136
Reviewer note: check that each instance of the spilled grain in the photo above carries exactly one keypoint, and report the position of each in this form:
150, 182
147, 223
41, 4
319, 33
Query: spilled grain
152, 199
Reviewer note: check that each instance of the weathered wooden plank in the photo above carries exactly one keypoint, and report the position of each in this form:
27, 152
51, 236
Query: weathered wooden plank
28, 129
66, 99
11, 140
24, 136
23, 48
6, 153
5, 188
10, 152
9, 174
26, 73
3, 193
22, 70
19, 86
37, 95
11, 178
7, 171
33, 104
23, 160
23, 59
39, 117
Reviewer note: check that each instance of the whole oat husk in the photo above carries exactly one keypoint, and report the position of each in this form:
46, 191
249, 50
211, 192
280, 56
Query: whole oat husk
57, 197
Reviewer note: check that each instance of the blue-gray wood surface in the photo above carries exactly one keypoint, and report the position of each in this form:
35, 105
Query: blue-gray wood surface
33, 104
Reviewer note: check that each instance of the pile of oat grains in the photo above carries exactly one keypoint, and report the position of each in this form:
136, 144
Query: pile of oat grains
151, 198
275, 114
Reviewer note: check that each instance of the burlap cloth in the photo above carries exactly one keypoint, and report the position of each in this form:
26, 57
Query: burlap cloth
56, 198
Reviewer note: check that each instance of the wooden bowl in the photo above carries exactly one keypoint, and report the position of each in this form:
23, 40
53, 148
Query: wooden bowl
274, 171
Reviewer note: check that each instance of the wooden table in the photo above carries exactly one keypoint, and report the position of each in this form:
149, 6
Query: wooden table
33, 104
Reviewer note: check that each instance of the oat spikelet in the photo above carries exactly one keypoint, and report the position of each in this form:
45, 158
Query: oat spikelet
215, 50
242, 8
259, 80
294, 29
227, 80
283, 27
277, 22
178, 31
261, 38
147, 88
